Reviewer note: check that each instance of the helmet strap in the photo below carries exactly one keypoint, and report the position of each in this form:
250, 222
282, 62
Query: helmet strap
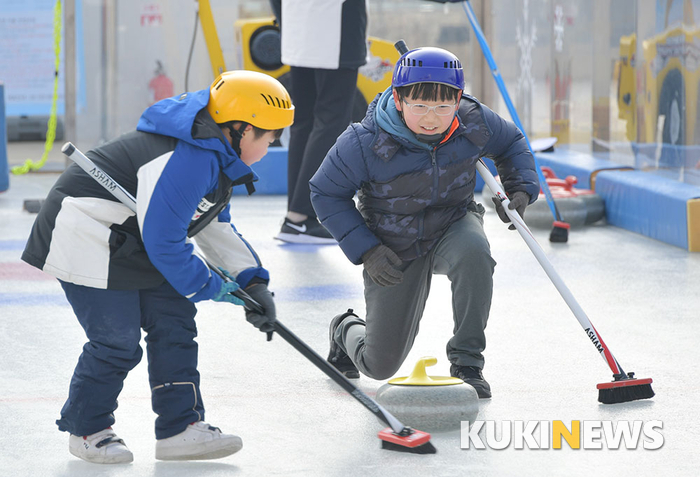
236, 136
425, 138
430, 138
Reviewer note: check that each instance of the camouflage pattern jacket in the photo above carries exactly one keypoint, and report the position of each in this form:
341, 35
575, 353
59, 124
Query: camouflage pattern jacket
409, 195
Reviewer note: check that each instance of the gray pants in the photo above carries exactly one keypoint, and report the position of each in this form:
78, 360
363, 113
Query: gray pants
394, 313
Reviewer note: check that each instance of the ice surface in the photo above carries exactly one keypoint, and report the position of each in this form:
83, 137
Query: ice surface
643, 296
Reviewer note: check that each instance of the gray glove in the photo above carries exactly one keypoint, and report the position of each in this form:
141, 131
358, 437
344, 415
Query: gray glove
518, 201
264, 322
380, 264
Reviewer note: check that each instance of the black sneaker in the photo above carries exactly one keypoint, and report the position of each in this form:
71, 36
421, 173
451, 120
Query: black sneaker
309, 231
472, 376
336, 356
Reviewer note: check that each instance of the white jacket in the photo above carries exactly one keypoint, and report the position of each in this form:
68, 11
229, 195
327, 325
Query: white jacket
327, 34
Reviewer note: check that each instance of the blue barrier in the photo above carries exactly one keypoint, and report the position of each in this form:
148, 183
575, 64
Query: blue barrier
647, 204
272, 171
565, 162
4, 170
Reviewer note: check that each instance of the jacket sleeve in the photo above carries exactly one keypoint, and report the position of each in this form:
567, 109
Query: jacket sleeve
332, 190
511, 154
226, 248
169, 190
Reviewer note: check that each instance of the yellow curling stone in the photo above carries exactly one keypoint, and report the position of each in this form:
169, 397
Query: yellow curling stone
430, 403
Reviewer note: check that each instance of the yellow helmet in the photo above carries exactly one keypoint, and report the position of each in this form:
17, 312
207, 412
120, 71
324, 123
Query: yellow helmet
253, 97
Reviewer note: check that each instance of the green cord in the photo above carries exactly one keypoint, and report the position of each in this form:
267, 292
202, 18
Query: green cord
30, 165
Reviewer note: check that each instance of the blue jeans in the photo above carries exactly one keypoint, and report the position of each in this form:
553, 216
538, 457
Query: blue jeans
112, 320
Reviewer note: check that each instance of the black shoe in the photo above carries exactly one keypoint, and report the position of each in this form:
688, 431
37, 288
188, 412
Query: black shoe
336, 356
309, 231
472, 376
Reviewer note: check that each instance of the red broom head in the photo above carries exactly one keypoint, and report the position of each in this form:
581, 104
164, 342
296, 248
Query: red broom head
625, 390
415, 442
560, 232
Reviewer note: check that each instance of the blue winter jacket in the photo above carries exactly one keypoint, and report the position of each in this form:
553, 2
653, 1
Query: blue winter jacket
208, 168
411, 192
181, 170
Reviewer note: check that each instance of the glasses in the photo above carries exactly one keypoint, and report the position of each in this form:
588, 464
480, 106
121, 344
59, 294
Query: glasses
423, 109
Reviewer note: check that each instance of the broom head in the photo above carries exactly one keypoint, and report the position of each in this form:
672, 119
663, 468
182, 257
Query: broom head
560, 232
414, 441
625, 390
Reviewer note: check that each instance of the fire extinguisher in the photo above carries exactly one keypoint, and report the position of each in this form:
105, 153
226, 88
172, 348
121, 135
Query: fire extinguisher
160, 86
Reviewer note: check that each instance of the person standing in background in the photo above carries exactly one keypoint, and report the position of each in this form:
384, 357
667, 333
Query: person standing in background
325, 43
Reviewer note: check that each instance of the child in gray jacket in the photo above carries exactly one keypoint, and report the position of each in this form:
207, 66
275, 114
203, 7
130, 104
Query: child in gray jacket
413, 161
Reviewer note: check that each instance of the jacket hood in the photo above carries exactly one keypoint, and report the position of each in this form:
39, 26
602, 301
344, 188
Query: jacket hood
185, 118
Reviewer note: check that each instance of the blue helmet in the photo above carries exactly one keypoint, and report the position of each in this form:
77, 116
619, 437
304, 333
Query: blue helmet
428, 65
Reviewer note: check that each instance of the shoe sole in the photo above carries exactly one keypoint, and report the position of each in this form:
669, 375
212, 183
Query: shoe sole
114, 459
199, 452
304, 239
351, 374
482, 395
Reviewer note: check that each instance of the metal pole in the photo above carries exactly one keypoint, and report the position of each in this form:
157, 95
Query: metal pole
69, 69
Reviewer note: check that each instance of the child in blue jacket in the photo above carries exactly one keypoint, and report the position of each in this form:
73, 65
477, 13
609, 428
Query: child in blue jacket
412, 161
123, 271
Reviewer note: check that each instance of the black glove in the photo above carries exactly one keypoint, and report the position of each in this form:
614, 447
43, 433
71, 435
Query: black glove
518, 201
380, 264
264, 322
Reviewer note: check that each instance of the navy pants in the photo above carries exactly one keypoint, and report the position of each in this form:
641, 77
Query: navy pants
112, 320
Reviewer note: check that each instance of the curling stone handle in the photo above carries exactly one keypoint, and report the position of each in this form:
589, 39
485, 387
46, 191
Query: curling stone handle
418, 374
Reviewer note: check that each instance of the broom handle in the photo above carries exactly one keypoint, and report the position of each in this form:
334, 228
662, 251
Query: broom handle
128, 200
549, 269
329, 370
104, 179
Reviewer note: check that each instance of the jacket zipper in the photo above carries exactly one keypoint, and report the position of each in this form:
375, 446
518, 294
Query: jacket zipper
436, 179
433, 195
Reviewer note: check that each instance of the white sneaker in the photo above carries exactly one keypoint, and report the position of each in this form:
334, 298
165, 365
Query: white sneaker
198, 441
102, 447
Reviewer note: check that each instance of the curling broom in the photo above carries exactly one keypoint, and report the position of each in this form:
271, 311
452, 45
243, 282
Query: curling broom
624, 387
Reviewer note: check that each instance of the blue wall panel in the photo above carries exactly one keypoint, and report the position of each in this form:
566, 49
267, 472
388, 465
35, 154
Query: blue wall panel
647, 204
4, 172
